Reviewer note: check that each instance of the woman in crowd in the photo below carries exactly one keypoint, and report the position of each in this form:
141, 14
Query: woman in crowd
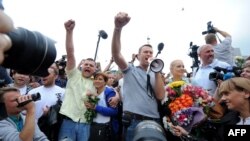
177, 70
235, 93
246, 71
177, 73
102, 128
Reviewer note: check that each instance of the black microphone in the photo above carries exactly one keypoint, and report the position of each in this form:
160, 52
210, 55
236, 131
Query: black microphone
191, 44
103, 34
160, 47
34, 97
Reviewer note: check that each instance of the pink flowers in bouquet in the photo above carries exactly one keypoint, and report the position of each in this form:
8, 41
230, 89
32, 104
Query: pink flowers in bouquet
188, 103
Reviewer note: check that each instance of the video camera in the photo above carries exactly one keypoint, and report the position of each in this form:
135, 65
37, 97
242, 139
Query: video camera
61, 63
210, 29
193, 54
3, 112
224, 73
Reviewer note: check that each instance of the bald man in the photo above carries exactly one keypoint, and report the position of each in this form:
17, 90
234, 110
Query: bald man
208, 63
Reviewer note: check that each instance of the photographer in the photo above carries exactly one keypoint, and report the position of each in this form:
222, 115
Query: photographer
223, 51
17, 126
62, 77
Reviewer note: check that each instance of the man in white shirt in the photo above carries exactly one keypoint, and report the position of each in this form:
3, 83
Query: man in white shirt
50, 94
208, 63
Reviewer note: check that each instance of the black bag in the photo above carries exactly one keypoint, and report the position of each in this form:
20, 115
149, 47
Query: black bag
53, 114
51, 123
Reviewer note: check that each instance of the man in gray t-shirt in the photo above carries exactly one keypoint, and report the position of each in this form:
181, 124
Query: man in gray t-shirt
139, 103
223, 51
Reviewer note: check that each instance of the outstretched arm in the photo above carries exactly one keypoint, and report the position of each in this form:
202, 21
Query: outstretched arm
109, 65
71, 62
121, 19
159, 86
223, 33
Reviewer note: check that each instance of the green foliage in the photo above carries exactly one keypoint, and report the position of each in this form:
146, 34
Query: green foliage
91, 114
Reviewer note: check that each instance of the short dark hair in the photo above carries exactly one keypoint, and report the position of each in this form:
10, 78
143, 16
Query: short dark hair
105, 77
91, 59
4, 90
145, 45
210, 38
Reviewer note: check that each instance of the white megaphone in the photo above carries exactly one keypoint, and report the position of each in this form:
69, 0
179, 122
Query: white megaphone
156, 65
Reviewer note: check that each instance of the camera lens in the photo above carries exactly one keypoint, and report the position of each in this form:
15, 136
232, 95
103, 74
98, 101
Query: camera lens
149, 130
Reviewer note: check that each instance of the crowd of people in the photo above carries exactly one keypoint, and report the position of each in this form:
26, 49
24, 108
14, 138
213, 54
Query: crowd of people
85, 103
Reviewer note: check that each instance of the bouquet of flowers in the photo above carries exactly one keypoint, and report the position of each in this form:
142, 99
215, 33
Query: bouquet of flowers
187, 103
90, 114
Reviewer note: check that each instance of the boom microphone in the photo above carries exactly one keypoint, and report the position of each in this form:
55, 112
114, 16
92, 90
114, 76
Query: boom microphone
160, 47
34, 97
103, 34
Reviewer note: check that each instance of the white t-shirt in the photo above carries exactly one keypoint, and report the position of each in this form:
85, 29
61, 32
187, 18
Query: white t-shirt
22, 90
99, 117
48, 97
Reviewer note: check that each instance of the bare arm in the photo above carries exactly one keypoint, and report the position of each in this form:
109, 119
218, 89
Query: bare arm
159, 86
223, 33
6, 23
121, 19
71, 62
28, 130
108, 66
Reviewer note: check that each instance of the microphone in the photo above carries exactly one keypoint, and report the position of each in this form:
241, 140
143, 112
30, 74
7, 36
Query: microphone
34, 97
160, 47
191, 44
103, 34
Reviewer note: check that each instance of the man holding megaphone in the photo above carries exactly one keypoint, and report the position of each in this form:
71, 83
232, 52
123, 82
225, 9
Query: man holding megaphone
139, 102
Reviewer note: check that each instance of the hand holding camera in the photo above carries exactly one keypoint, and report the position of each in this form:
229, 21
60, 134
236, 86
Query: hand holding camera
26, 99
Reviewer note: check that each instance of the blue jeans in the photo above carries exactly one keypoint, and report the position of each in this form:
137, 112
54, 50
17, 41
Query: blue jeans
130, 132
74, 131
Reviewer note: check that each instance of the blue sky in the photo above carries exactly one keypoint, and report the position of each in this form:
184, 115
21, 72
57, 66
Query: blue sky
174, 22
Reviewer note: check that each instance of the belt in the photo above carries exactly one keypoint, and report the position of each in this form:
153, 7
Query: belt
138, 117
65, 117
95, 123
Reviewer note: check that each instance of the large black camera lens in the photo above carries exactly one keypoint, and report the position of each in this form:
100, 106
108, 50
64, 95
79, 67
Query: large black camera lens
31, 53
149, 130
215, 76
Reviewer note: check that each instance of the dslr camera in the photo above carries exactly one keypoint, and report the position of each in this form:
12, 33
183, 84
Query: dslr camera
61, 63
210, 29
224, 73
